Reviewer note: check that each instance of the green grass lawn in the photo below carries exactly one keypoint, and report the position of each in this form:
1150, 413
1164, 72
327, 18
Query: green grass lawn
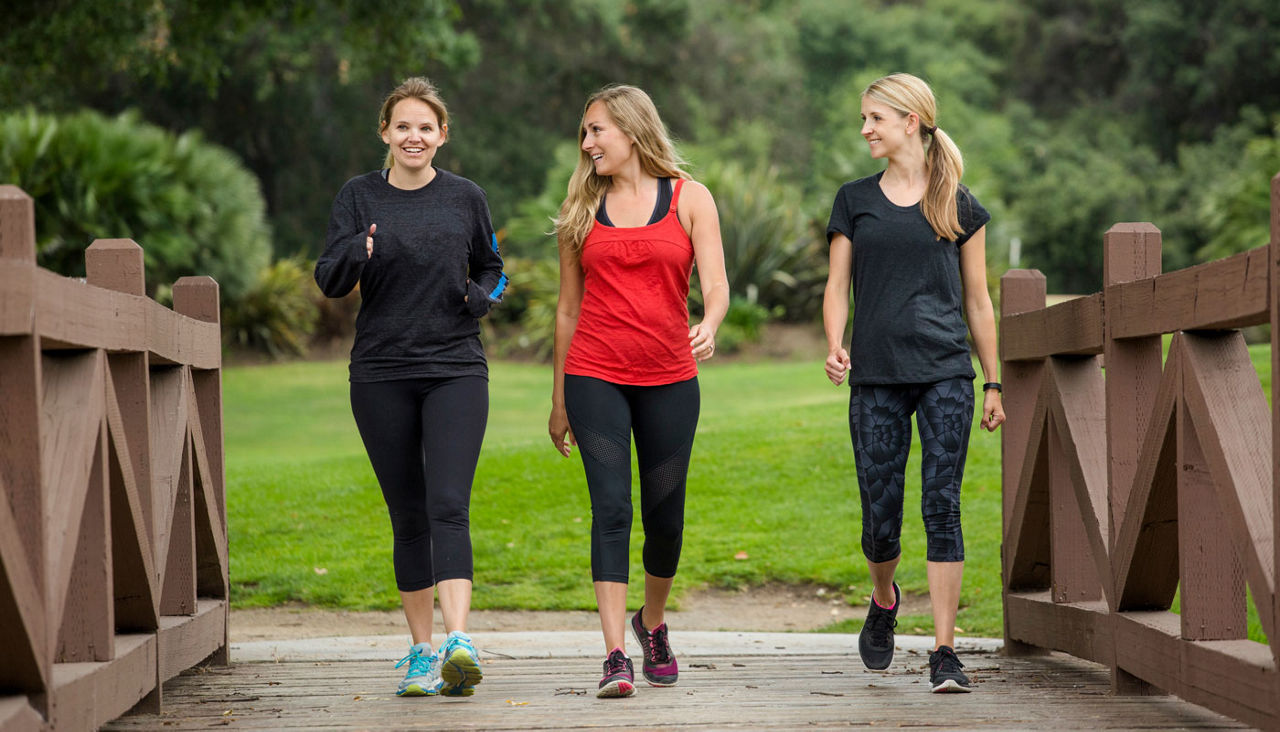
772, 478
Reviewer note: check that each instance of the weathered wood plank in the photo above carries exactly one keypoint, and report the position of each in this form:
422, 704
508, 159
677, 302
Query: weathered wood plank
1145, 554
73, 407
1148, 646
1082, 629
17, 224
88, 695
1212, 595
184, 641
1218, 372
715, 692
1071, 328
17, 715
1077, 410
1026, 550
87, 631
1273, 268
1226, 293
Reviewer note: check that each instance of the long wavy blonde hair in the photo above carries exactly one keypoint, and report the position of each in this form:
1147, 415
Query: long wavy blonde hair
414, 87
636, 116
943, 163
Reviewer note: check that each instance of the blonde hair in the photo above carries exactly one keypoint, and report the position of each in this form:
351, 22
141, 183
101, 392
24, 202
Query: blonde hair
942, 163
636, 116
414, 87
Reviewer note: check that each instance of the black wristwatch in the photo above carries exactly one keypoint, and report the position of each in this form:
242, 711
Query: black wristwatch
993, 385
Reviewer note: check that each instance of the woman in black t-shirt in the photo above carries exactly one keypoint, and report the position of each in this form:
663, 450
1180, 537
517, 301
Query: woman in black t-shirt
911, 242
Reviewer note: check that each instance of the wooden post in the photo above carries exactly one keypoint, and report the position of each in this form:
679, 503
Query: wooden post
24, 624
118, 264
1021, 291
1275, 415
1130, 252
17, 224
199, 298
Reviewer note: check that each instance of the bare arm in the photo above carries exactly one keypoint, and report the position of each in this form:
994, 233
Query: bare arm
835, 307
982, 322
567, 309
702, 221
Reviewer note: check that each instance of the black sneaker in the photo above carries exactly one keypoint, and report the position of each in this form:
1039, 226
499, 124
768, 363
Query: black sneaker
619, 678
944, 672
875, 641
660, 668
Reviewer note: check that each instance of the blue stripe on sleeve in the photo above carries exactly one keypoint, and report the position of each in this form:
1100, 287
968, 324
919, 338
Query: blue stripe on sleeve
497, 291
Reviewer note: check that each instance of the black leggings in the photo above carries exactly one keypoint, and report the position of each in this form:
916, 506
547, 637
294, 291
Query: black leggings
423, 437
880, 424
603, 417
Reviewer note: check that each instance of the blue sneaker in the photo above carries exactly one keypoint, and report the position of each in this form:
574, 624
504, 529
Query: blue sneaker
459, 665
423, 676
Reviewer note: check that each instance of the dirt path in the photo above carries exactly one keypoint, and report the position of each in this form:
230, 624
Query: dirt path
770, 608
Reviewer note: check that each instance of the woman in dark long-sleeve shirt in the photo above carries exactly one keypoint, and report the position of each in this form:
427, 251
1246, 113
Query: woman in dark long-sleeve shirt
419, 242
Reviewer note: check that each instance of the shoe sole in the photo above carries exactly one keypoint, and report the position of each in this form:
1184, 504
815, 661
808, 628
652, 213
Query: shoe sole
876, 667
616, 689
659, 681
417, 690
461, 673
951, 686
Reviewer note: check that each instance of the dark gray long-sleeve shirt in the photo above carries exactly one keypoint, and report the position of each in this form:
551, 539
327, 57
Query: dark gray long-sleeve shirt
434, 272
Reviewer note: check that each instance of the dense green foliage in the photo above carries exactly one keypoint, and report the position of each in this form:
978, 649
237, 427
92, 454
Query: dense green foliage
190, 204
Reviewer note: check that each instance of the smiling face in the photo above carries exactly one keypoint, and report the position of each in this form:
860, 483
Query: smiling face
413, 133
885, 129
604, 142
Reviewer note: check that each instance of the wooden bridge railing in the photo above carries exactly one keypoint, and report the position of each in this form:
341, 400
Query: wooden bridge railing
1128, 484
113, 538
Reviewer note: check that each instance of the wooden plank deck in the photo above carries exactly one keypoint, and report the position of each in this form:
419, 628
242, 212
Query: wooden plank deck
715, 692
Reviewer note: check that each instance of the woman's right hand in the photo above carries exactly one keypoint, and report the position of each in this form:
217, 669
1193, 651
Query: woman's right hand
368, 241
561, 434
837, 365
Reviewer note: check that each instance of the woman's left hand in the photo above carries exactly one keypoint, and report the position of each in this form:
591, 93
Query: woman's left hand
992, 410
702, 339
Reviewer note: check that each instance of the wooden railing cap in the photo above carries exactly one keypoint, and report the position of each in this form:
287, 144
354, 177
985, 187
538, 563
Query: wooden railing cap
1134, 227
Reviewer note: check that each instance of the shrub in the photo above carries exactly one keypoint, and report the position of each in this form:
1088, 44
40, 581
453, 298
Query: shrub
277, 314
772, 253
191, 205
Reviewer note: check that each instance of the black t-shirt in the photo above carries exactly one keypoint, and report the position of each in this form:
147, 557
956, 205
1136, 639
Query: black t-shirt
418, 315
907, 322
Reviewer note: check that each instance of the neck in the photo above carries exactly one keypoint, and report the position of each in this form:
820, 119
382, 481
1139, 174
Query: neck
409, 180
907, 169
631, 179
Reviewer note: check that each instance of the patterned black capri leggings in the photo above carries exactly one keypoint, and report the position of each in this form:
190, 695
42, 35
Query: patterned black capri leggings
880, 426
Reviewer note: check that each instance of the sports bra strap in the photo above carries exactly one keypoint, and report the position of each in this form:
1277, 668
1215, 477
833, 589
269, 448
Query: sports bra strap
675, 195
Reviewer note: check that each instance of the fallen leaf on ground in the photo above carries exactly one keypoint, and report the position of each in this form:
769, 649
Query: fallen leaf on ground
741, 555
321, 570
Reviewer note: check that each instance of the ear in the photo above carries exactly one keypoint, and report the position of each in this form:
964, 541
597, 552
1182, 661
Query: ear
386, 138
913, 123
444, 134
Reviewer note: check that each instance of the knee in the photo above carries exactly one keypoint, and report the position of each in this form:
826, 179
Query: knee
409, 526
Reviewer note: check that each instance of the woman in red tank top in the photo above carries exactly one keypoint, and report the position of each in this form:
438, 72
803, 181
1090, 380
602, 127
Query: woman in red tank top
626, 356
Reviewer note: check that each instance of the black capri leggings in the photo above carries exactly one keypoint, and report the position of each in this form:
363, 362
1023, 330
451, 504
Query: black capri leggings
423, 438
663, 419
880, 424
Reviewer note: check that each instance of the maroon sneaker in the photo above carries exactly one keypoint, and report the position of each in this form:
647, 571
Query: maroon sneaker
660, 667
619, 678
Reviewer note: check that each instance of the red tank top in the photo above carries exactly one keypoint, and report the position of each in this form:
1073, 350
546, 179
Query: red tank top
633, 327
